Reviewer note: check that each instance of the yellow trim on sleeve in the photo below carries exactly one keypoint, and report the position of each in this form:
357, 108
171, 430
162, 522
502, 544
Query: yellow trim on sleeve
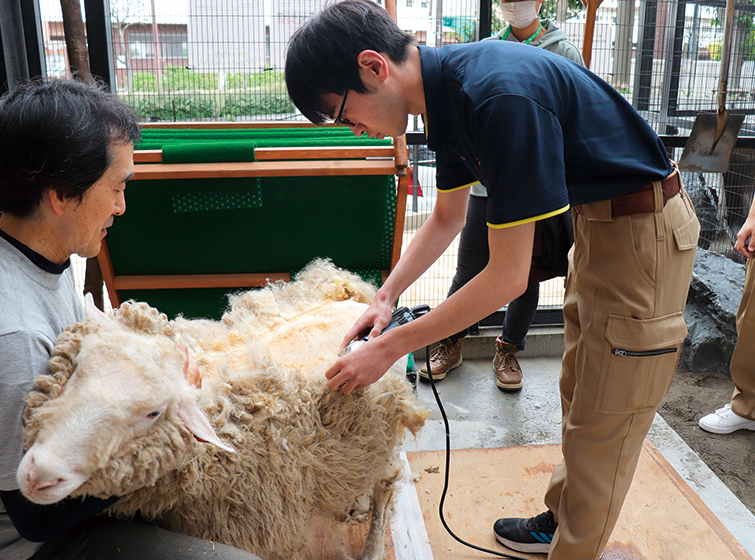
458, 188
528, 220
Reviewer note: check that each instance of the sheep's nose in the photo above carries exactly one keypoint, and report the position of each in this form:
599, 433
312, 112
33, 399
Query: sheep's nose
39, 485
38, 481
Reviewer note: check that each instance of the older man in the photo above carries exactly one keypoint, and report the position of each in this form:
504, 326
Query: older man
66, 153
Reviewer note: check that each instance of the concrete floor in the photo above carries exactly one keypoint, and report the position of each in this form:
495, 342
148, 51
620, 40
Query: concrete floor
480, 415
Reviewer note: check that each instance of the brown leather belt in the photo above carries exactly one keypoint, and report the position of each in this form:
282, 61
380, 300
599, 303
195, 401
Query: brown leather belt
643, 200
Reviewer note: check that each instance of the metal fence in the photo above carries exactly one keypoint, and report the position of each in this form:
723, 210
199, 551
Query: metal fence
223, 60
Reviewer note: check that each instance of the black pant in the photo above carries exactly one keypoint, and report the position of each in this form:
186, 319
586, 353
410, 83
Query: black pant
473, 257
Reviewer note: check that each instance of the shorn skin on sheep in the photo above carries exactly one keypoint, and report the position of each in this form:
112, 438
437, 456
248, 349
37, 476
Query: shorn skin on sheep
249, 459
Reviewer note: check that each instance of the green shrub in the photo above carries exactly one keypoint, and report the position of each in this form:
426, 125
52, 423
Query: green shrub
189, 95
186, 106
257, 103
749, 45
173, 107
144, 81
237, 81
178, 78
268, 79
714, 48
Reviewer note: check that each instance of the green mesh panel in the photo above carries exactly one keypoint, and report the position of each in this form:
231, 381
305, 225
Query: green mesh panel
249, 225
265, 143
154, 138
192, 303
207, 303
203, 152
225, 226
214, 201
247, 132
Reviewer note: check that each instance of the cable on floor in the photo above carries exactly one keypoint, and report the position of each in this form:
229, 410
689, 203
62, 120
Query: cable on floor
448, 465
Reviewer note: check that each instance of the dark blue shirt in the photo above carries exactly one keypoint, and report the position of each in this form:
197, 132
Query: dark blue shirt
539, 131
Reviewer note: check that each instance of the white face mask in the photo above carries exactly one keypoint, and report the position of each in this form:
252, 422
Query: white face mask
519, 14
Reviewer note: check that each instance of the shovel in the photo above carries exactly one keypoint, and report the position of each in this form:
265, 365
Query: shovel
592, 11
713, 135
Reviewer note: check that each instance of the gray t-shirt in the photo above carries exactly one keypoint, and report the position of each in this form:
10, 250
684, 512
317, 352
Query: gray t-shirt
35, 307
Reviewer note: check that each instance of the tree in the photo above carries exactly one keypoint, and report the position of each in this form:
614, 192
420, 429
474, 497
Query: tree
743, 43
76, 45
124, 13
78, 59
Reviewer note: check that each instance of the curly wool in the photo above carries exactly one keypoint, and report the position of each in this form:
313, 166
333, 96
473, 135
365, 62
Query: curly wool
261, 311
303, 450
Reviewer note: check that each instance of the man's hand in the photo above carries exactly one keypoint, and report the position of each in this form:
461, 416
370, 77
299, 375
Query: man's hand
745, 243
375, 319
362, 367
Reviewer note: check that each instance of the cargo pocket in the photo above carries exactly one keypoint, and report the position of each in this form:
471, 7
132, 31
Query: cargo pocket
639, 361
686, 235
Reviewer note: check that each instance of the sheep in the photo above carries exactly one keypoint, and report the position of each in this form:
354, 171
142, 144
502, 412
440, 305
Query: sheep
252, 457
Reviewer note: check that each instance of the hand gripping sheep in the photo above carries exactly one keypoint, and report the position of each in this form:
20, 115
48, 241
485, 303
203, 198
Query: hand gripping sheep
250, 459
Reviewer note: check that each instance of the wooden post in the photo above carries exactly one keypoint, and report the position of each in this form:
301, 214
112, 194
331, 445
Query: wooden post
78, 59
592, 9
390, 7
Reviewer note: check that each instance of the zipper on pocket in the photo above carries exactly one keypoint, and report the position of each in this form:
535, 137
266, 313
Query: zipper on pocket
642, 353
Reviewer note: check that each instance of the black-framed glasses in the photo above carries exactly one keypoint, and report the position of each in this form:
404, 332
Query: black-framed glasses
339, 119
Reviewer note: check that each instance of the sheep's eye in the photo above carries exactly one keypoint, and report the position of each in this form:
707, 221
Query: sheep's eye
154, 414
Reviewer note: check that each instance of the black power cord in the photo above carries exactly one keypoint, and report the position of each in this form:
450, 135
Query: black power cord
448, 465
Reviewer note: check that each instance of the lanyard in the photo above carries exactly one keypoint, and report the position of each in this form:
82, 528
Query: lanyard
528, 40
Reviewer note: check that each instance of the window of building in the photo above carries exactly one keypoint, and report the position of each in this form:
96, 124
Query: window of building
174, 45
141, 46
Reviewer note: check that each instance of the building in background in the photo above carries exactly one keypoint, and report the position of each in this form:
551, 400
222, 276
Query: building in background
223, 60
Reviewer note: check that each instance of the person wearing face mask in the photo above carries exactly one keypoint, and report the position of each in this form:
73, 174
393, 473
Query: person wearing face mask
526, 27
553, 236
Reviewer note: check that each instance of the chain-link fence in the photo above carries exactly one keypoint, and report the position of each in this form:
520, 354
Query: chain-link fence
223, 60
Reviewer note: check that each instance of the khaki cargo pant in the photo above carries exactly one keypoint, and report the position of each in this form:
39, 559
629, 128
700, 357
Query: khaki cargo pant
626, 290
743, 360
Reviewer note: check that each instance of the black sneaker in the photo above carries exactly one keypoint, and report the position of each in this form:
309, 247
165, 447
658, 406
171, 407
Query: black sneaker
527, 535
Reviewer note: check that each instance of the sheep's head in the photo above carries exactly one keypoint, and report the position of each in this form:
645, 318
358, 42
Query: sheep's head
127, 389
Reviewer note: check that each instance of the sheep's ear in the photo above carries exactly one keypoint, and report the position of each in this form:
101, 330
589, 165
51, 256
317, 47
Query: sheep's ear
197, 423
94, 313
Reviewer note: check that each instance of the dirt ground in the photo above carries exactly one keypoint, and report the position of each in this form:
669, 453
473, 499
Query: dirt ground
732, 456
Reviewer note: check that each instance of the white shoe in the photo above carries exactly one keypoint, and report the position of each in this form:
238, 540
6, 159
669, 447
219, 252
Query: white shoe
724, 421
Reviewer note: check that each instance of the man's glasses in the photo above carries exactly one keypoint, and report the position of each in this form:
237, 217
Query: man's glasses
340, 119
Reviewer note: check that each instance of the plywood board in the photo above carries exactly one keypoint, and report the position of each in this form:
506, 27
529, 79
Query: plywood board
343, 541
662, 518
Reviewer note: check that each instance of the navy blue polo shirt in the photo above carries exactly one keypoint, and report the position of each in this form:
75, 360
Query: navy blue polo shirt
539, 131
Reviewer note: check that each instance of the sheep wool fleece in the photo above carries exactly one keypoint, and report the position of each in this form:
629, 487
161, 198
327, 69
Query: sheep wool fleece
35, 306
296, 449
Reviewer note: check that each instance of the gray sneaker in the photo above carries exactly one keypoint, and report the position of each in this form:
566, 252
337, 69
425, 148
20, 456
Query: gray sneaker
527, 535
